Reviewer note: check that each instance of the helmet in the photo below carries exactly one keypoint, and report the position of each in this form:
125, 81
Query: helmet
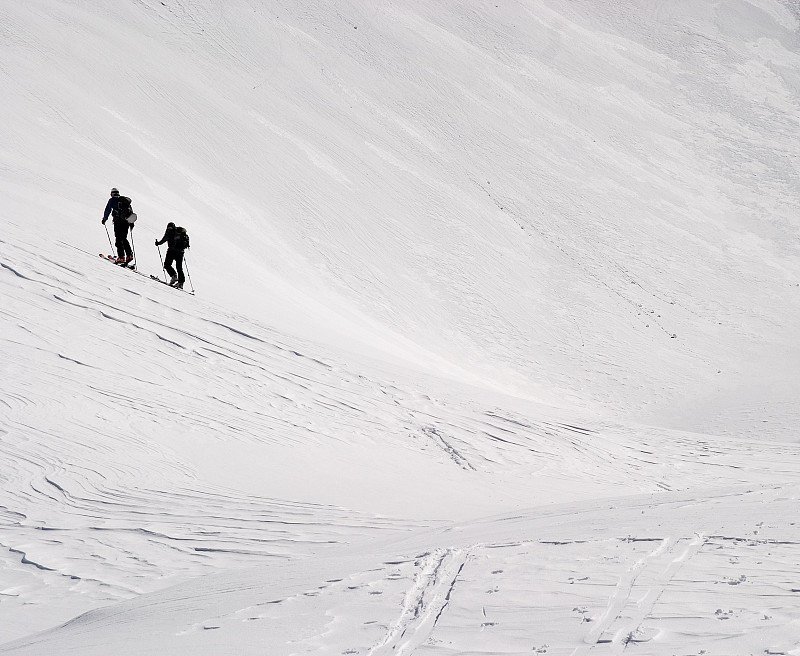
114, 191
170, 225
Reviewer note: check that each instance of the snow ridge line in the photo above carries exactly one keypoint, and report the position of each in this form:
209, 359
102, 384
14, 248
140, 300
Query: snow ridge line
424, 602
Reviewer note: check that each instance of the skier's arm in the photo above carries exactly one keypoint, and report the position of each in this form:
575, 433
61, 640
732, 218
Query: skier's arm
163, 239
109, 206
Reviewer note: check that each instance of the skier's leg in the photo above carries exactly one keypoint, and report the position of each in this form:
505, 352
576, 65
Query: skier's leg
168, 260
179, 265
128, 248
121, 236
170, 257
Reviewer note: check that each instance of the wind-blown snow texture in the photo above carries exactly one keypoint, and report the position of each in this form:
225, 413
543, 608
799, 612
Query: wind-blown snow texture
494, 343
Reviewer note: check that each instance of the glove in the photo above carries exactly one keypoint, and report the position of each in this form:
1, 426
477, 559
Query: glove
156, 242
132, 227
104, 221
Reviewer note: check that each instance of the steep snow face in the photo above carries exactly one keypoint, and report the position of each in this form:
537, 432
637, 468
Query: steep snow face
504, 192
445, 254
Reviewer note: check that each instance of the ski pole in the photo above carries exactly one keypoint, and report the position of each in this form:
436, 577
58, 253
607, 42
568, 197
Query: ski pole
162, 262
109, 238
133, 248
188, 275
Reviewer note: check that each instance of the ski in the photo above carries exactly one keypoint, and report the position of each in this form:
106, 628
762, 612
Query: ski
164, 282
128, 265
131, 267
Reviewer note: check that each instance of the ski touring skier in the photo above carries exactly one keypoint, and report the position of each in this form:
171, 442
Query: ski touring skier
119, 207
177, 242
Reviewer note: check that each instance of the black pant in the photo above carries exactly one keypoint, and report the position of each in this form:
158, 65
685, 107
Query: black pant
121, 234
174, 255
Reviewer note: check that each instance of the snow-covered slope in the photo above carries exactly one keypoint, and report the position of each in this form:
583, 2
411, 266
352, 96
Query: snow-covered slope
525, 190
151, 438
450, 258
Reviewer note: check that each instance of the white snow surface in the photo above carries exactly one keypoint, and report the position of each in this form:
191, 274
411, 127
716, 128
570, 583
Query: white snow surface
494, 342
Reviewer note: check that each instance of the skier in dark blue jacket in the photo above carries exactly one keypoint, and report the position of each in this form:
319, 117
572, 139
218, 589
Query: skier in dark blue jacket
121, 225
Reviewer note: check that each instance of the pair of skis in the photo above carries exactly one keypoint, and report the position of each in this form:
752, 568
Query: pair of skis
115, 260
131, 266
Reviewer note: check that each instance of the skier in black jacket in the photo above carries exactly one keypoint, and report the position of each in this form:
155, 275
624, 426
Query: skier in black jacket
121, 225
175, 247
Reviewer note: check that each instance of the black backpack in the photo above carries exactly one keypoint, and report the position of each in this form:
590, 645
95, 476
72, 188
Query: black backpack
181, 238
124, 208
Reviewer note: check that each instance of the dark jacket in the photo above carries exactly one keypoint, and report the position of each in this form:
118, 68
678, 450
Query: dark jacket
111, 208
170, 238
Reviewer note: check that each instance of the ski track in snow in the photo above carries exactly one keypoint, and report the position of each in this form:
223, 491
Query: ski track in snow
424, 603
590, 204
560, 584
100, 503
